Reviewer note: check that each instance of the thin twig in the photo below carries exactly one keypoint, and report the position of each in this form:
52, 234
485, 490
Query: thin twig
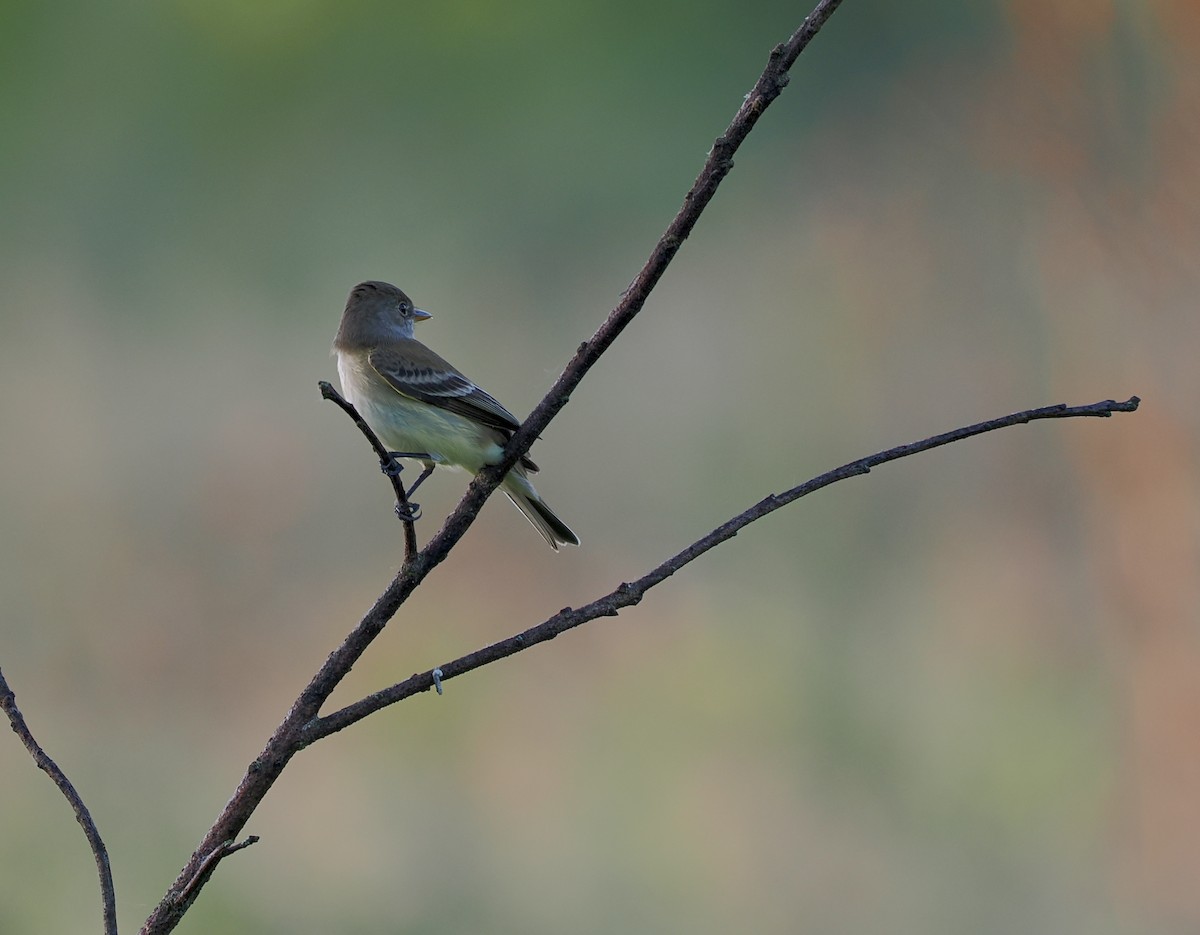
388, 464
108, 896
631, 593
219, 853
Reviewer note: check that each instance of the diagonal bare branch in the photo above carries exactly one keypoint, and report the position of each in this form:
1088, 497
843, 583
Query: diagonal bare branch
631, 593
288, 737
770, 85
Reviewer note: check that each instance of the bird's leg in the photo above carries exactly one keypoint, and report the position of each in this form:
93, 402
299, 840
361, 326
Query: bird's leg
420, 480
392, 466
407, 512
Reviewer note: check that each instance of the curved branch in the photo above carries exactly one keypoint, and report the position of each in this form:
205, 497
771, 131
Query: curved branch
630, 593
108, 896
388, 464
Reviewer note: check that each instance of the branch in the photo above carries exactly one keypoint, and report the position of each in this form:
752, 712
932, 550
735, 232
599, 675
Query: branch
290, 736
303, 725
389, 465
209, 863
630, 593
769, 86
108, 896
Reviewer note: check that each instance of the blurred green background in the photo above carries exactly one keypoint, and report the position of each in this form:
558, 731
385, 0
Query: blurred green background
960, 694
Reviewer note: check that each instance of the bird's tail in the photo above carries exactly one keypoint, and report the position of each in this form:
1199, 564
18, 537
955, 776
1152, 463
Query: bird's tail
529, 502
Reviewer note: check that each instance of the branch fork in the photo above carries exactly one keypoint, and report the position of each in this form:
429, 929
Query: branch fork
304, 724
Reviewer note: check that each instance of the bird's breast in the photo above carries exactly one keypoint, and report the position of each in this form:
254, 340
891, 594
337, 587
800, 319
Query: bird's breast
406, 424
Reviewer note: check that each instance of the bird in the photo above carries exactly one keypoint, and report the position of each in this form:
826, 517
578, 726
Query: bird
422, 407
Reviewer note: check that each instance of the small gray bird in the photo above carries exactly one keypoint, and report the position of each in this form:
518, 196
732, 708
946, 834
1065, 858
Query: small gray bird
420, 405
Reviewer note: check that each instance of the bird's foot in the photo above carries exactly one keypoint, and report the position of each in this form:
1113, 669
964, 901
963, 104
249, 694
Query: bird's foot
408, 512
392, 466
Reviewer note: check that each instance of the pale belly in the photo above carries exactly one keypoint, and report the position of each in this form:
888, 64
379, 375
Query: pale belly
405, 425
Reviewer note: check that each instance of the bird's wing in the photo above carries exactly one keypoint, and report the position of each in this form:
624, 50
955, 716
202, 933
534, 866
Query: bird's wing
413, 370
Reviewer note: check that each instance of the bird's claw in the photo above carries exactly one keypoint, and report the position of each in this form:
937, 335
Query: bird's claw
391, 467
408, 512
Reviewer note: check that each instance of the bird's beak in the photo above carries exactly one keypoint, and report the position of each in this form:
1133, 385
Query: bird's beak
419, 314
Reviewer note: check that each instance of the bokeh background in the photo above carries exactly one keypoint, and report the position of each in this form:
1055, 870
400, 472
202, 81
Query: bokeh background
960, 694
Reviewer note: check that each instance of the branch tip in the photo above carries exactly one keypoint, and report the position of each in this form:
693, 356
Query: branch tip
630, 593
209, 864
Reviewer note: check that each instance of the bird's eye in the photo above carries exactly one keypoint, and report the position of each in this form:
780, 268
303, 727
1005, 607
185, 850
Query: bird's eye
405, 309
